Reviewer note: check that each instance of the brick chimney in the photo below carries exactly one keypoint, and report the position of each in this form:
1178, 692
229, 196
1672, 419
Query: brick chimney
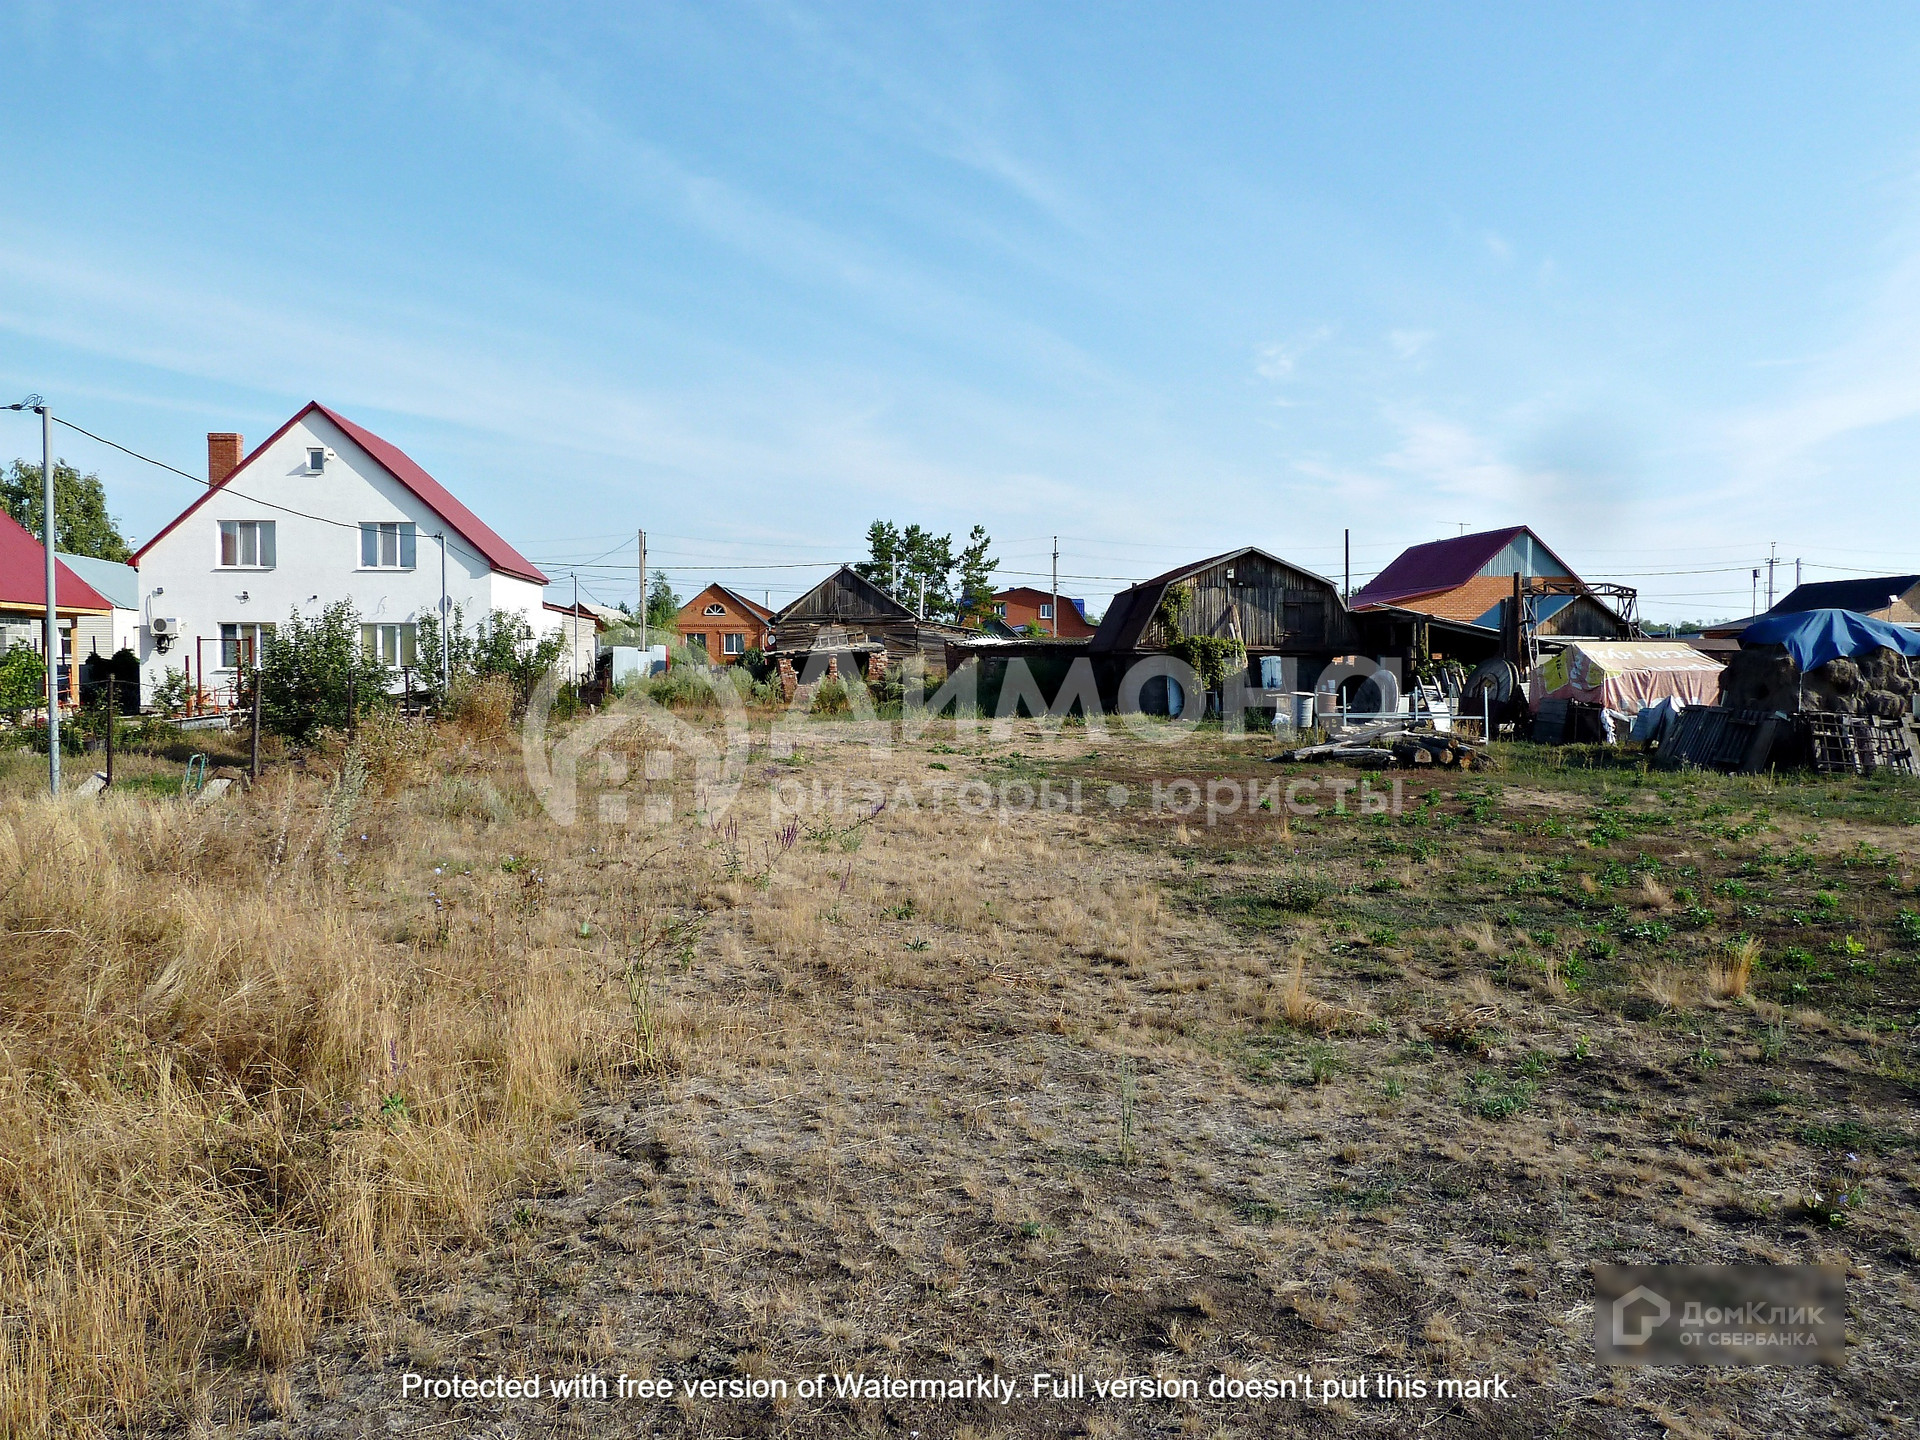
224, 450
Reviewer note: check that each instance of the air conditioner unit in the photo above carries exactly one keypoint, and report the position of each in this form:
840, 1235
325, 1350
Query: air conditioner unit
162, 625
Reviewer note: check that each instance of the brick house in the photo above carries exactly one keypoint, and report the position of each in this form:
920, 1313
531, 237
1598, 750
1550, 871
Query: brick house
725, 624
1023, 606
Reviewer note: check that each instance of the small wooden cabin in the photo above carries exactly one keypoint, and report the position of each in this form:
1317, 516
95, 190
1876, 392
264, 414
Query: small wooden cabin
848, 615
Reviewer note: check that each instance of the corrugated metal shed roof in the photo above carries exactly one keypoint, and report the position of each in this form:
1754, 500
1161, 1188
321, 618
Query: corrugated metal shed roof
23, 574
118, 581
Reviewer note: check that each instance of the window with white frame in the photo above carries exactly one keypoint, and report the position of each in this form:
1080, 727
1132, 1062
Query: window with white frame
736, 645
715, 609
1046, 610
391, 645
387, 545
316, 458
246, 544
241, 644
1000, 610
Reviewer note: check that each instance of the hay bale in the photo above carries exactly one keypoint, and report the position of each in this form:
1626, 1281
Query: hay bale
1765, 677
1761, 678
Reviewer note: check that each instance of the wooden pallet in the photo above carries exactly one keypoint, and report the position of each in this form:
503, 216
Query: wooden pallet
1861, 744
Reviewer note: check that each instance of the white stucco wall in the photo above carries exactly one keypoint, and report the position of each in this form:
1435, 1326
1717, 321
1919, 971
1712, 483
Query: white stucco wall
317, 559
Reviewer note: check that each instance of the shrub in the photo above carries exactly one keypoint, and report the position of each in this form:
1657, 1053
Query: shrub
309, 669
483, 708
172, 694
500, 647
23, 681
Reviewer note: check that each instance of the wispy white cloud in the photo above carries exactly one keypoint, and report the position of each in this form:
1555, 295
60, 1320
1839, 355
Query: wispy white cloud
1278, 360
1497, 246
1869, 381
1410, 344
1452, 459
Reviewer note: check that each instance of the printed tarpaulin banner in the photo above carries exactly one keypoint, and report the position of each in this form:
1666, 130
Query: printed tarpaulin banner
1627, 675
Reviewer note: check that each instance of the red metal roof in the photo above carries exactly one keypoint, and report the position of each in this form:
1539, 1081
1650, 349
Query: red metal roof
1438, 565
23, 574
397, 463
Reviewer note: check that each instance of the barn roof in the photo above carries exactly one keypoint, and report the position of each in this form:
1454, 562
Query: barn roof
1133, 609
884, 604
1442, 565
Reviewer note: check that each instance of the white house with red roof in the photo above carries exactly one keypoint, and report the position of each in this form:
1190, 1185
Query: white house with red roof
323, 511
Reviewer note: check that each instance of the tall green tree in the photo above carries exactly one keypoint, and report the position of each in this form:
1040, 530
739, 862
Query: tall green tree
81, 523
910, 560
977, 565
663, 605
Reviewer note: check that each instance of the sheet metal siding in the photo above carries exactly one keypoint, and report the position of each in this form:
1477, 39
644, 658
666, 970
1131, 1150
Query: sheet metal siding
1521, 556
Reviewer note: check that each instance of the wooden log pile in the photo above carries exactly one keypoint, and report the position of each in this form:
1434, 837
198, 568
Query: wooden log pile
1394, 746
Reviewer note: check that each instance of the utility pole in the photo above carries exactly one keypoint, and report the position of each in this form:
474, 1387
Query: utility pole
1796, 572
923, 597
1346, 586
1772, 560
1056, 587
573, 631
1753, 600
644, 668
446, 617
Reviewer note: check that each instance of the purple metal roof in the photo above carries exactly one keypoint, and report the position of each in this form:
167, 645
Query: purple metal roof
1437, 565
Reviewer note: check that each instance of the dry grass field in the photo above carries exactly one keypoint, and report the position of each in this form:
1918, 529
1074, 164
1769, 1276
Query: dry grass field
377, 1070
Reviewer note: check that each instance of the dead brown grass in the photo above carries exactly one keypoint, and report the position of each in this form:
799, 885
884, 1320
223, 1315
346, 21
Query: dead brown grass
1729, 974
324, 1084
229, 1116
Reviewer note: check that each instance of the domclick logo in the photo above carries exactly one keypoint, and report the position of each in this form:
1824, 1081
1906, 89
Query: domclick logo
1719, 1315
1637, 1314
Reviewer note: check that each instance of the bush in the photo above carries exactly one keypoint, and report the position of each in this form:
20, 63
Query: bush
172, 694
310, 668
23, 681
483, 707
500, 647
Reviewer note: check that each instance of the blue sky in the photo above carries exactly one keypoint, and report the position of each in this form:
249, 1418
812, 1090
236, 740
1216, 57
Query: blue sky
1162, 280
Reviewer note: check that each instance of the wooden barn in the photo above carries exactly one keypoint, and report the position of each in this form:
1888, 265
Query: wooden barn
1291, 622
849, 616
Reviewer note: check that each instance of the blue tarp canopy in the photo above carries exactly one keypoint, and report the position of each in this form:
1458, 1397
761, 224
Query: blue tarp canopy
1814, 637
